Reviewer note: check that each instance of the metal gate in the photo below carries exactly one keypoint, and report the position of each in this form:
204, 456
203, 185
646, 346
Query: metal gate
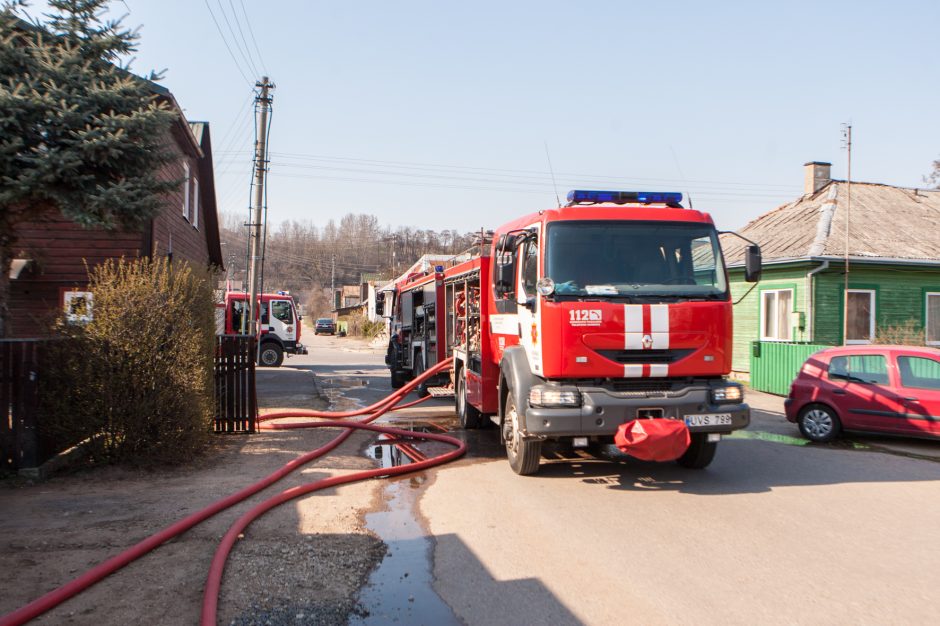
236, 402
774, 365
19, 403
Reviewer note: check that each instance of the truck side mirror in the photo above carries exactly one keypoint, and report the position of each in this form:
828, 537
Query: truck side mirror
752, 264
505, 277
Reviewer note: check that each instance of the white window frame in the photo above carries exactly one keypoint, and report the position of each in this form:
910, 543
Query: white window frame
776, 318
89, 299
185, 191
871, 319
195, 203
927, 296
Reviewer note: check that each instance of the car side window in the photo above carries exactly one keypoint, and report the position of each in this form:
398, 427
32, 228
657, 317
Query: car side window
859, 368
919, 373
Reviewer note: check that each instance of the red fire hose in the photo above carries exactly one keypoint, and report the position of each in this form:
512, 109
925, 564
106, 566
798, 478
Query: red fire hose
57, 596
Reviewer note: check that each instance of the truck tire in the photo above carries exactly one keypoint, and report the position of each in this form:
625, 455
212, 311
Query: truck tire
523, 454
469, 416
700, 452
397, 379
416, 370
270, 355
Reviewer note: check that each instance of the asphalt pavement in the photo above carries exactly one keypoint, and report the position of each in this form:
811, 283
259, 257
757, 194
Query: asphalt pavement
776, 530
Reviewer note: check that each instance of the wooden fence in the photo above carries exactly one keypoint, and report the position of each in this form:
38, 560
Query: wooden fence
20, 445
236, 404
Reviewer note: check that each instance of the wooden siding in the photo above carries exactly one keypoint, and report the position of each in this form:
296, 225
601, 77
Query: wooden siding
900, 293
747, 312
60, 250
899, 296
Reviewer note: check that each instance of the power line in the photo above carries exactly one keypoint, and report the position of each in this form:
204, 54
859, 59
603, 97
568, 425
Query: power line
252, 33
523, 181
238, 23
230, 53
514, 172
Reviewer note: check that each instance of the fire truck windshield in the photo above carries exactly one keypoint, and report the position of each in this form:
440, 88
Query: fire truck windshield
622, 259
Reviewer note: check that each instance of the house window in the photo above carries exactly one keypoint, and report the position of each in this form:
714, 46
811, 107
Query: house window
186, 190
933, 318
776, 306
860, 322
78, 306
195, 219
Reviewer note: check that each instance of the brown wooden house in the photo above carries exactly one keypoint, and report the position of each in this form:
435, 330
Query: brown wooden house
50, 268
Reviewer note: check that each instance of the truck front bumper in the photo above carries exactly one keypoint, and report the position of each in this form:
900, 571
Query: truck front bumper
602, 411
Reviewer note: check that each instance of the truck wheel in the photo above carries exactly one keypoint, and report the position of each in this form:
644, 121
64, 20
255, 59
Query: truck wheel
524, 454
398, 379
271, 355
417, 370
700, 453
469, 415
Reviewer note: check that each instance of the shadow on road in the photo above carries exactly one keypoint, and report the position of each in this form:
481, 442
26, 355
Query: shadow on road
744, 466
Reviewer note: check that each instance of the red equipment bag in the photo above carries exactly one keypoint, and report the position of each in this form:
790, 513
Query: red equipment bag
656, 439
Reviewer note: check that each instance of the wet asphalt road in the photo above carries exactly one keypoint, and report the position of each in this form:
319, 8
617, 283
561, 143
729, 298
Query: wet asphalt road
772, 532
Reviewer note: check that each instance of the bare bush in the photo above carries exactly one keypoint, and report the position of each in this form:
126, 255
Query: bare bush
908, 333
136, 382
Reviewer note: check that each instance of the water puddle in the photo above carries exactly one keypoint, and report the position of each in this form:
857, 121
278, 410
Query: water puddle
400, 590
764, 436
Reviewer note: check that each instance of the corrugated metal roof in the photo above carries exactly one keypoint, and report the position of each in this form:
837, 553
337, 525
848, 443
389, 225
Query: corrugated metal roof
885, 222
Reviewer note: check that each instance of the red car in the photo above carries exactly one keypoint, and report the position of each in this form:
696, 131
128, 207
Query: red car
886, 389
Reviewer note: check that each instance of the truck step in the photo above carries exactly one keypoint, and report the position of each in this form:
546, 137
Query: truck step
441, 392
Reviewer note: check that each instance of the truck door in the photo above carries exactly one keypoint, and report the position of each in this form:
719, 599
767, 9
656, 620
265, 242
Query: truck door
527, 302
281, 319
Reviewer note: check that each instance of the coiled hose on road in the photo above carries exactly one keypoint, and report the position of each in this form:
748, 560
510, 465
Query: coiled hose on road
216, 569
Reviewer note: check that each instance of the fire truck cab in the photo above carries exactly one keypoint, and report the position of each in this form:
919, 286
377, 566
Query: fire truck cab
280, 324
581, 318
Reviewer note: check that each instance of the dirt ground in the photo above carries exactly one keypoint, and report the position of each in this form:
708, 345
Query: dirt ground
302, 563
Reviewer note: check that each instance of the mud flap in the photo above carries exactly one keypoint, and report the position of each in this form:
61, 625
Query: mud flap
656, 439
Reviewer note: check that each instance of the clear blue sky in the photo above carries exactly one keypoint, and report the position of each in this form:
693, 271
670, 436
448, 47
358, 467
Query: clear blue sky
437, 114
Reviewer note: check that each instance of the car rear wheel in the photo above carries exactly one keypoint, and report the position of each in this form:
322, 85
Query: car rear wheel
819, 423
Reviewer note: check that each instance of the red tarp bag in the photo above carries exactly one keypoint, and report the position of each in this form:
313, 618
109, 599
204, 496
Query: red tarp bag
657, 439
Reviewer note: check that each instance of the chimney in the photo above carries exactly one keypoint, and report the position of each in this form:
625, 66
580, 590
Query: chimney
815, 176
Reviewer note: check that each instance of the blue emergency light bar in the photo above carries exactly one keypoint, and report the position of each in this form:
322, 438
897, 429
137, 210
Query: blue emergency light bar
582, 196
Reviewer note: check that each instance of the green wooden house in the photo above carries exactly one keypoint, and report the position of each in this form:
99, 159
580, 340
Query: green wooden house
892, 235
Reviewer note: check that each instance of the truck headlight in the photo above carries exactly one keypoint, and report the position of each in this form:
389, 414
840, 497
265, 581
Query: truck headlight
549, 397
727, 394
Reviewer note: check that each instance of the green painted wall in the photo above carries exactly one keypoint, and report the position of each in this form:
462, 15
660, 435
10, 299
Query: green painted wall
747, 312
899, 296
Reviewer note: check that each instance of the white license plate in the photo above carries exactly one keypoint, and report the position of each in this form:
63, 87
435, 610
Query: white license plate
709, 419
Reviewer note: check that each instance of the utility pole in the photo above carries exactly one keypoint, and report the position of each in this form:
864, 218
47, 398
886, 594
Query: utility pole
263, 104
847, 139
333, 281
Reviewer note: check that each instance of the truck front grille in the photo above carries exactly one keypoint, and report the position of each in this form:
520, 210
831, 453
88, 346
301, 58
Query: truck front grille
644, 356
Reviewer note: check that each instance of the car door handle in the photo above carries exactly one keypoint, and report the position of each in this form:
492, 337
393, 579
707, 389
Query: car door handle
838, 392
912, 399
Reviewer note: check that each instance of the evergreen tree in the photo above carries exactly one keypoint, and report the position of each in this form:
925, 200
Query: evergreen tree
80, 136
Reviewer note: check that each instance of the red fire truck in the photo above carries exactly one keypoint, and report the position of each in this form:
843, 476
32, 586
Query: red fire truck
613, 308
417, 339
280, 324
569, 322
